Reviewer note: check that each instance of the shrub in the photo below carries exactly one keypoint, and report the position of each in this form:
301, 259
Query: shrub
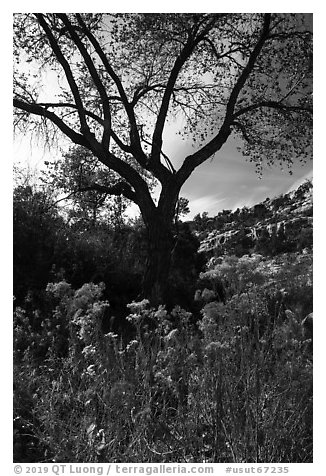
235, 388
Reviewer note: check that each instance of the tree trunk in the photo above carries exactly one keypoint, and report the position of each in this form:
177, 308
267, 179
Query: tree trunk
160, 246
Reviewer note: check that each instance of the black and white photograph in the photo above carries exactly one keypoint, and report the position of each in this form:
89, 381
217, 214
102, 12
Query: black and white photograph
162, 237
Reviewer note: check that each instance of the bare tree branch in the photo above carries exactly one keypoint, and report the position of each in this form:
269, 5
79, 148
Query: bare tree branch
120, 188
272, 105
192, 161
65, 65
122, 145
93, 72
134, 136
44, 112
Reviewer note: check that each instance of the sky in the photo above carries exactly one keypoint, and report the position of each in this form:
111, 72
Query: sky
226, 181
222, 183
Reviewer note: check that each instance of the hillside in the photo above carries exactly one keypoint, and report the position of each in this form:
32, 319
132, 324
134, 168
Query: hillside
278, 225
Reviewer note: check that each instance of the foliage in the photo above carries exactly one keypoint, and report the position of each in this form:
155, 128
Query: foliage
150, 58
122, 77
49, 247
201, 221
228, 379
236, 387
83, 182
38, 231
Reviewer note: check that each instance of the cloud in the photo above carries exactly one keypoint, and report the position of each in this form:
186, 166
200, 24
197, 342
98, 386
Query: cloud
300, 180
208, 203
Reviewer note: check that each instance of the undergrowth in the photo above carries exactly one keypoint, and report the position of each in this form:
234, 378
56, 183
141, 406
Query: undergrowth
233, 386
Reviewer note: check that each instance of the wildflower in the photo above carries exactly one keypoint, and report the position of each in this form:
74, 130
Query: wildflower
192, 359
58, 290
111, 335
161, 313
132, 345
90, 370
134, 318
289, 314
214, 347
138, 306
88, 351
208, 295
172, 336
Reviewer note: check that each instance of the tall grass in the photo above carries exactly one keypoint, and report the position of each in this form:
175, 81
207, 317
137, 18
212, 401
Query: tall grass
236, 386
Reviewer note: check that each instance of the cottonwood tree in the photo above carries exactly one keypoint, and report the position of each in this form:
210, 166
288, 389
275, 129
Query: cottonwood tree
121, 77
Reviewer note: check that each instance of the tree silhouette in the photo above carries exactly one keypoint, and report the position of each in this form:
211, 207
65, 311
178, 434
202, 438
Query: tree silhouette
123, 76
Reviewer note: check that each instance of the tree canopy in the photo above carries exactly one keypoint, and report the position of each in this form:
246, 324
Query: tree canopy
120, 77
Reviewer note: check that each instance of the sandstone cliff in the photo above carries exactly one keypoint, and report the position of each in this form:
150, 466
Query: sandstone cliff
278, 225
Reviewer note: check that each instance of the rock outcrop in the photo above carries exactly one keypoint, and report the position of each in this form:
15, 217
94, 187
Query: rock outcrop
274, 226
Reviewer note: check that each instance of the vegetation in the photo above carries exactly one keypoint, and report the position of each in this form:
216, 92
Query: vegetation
281, 224
235, 386
131, 345
122, 77
100, 376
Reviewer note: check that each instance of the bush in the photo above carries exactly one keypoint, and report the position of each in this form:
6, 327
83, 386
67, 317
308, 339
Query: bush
235, 388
